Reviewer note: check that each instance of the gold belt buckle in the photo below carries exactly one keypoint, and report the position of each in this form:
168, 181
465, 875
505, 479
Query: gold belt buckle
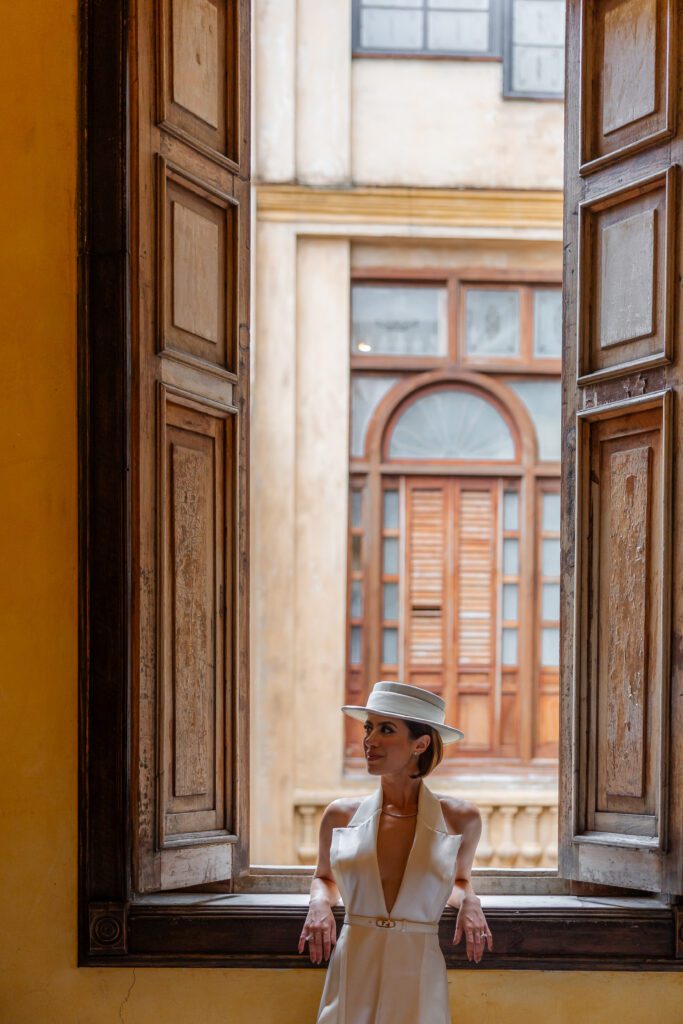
385, 922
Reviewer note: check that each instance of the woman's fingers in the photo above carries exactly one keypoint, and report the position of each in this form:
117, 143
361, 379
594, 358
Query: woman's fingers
321, 938
330, 939
320, 942
315, 947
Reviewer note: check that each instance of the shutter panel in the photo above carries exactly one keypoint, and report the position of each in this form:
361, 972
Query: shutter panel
622, 720
427, 563
190, 254
475, 579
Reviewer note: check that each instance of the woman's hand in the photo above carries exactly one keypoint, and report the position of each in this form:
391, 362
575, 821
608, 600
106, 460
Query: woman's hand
321, 930
472, 924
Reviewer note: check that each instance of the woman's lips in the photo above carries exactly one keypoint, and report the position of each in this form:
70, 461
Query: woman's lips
373, 757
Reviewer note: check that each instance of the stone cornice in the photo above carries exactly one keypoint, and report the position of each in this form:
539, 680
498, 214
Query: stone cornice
470, 208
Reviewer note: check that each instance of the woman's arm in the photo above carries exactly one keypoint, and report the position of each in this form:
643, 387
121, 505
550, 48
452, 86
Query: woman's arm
320, 927
465, 819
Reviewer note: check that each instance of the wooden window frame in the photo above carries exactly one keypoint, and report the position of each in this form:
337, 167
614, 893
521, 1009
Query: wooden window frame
544, 485
116, 928
494, 52
456, 282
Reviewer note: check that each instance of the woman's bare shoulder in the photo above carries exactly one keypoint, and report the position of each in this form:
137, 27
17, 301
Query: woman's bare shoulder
459, 815
339, 813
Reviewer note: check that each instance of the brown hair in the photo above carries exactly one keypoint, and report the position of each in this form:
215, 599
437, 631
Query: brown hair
430, 758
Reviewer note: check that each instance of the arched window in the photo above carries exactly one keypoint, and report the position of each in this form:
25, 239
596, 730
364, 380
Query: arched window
451, 424
453, 531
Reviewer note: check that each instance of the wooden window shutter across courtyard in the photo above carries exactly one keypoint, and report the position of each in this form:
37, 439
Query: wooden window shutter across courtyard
190, 271
622, 742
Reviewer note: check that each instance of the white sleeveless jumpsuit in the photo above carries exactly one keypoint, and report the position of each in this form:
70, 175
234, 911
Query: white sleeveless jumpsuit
389, 969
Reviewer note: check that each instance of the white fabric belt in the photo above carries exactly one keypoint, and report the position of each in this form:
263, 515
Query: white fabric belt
393, 923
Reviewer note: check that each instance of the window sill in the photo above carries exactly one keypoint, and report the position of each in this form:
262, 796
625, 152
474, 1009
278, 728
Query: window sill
262, 931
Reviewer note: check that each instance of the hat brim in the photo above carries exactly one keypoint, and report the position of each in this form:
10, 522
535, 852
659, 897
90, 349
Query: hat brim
448, 733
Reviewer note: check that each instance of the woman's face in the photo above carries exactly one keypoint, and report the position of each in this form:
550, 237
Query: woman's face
388, 746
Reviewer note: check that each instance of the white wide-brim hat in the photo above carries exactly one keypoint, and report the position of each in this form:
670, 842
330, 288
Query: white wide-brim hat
411, 703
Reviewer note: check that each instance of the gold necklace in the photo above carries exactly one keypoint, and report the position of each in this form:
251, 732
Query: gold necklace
392, 814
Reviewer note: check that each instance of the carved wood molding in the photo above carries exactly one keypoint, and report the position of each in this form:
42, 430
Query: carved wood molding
107, 928
595, 936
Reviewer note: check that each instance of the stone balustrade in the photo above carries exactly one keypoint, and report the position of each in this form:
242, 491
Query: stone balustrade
518, 831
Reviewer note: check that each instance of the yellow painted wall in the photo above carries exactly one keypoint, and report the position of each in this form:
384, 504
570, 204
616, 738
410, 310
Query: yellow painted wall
39, 982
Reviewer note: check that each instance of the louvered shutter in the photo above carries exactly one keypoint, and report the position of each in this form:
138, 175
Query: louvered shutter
475, 615
427, 562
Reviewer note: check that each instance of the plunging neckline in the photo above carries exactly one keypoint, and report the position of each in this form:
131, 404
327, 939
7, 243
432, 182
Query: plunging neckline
378, 815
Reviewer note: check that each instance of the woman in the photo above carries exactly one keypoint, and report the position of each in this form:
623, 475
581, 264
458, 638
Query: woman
395, 858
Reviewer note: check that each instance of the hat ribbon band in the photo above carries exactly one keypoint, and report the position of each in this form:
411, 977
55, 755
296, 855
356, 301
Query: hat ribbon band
411, 707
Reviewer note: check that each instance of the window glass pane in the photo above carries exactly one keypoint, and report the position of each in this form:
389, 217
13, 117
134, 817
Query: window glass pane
551, 558
390, 604
366, 394
459, 5
551, 513
510, 556
543, 399
391, 30
398, 320
550, 602
510, 602
509, 646
356, 599
356, 508
457, 31
550, 646
538, 21
538, 69
391, 510
492, 322
356, 542
389, 646
355, 645
511, 510
548, 322
451, 425
390, 555
392, 3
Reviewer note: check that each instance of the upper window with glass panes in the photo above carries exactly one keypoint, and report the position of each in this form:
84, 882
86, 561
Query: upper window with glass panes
517, 323
398, 320
533, 59
430, 27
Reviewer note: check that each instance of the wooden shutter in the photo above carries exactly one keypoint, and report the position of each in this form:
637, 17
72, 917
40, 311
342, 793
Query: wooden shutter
622, 736
427, 571
190, 259
475, 580
450, 612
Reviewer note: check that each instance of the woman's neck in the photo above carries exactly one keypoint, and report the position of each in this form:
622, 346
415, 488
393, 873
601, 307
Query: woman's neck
400, 792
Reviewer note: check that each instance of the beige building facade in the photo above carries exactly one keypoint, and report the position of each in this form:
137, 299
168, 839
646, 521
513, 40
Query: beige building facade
411, 170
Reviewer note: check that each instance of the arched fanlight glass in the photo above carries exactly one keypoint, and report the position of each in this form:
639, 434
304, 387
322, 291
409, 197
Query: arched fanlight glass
451, 424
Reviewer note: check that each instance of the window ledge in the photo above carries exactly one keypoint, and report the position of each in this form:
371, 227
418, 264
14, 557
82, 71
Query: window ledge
262, 931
